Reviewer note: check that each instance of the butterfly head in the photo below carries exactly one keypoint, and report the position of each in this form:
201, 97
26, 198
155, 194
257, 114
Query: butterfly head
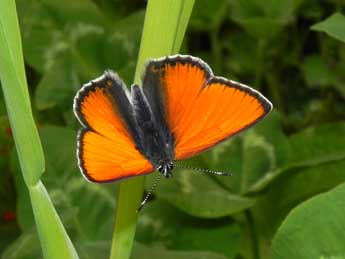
165, 167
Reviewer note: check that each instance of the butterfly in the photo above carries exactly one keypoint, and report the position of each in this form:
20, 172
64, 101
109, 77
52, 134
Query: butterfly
181, 110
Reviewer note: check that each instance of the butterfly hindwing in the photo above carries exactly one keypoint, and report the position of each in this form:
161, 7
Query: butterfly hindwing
108, 144
102, 159
200, 109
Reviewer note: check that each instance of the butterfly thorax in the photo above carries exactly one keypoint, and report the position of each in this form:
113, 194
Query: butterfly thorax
155, 142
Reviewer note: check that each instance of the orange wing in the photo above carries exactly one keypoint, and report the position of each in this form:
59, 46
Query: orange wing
201, 110
106, 149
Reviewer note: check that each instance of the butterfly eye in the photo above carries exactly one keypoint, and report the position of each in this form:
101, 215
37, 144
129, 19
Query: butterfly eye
160, 168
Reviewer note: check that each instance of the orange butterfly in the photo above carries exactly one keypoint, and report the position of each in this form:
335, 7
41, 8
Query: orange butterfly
181, 110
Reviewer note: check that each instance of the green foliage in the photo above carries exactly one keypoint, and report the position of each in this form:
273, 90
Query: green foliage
323, 241
293, 51
70, 193
143, 252
263, 19
15, 91
212, 202
157, 226
55, 242
333, 26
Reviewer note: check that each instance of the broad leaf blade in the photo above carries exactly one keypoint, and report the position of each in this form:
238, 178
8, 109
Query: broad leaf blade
314, 229
333, 26
200, 196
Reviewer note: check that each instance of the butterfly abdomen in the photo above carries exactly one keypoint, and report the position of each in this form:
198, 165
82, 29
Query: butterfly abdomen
157, 146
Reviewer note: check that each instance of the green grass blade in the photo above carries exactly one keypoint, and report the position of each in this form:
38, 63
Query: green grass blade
164, 28
16, 94
54, 239
185, 12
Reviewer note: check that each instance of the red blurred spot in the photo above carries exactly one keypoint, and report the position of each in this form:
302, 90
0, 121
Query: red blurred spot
8, 216
9, 131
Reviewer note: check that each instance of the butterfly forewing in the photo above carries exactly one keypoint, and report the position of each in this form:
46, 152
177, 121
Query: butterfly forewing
200, 109
107, 150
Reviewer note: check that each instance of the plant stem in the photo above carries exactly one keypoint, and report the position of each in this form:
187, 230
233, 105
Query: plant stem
253, 234
272, 83
164, 28
216, 50
260, 62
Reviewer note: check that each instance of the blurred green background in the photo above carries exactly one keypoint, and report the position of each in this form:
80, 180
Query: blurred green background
293, 51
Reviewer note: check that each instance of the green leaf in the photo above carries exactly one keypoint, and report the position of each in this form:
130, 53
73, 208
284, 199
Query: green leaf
263, 153
141, 251
157, 226
242, 52
58, 85
50, 28
65, 12
251, 155
203, 17
317, 73
145, 252
90, 250
25, 216
311, 10
77, 60
125, 39
75, 45
310, 147
318, 145
333, 26
163, 32
292, 188
263, 19
49, 226
232, 149
157, 221
70, 193
316, 224
16, 95
54, 239
200, 196
261, 27
26, 246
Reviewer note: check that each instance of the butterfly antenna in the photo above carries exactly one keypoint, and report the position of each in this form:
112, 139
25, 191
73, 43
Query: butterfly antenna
203, 170
149, 192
